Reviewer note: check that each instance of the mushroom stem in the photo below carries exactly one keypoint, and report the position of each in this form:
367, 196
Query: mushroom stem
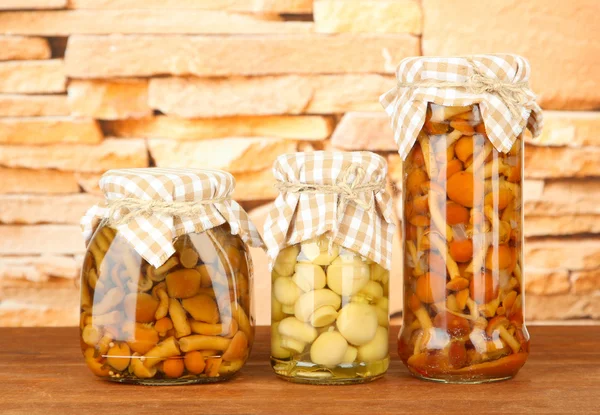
436, 215
420, 312
473, 308
412, 251
441, 246
430, 165
508, 338
480, 157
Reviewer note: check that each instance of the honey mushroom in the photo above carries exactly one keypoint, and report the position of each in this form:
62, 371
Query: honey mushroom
183, 283
162, 351
203, 342
179, 319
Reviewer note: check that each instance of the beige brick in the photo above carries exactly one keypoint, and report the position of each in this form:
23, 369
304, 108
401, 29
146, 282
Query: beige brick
67, 22
560, 307
89, 182
561, 225
235, 155
41, 181
291, 127
262, 276
569, 128
533, 190
564, 62
380, 16
561, 253
32, 4
38, 268
110, 154
20, 47
265, 6
586, 281
364, 131
26, 314
33, 105
49, 130
31, 209
41, 240
252, 186
547, 281
316, 94
31, 77
563, 197
557, 162
109, 99
108, 56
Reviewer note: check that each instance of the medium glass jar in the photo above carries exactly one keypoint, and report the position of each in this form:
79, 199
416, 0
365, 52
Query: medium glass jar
329, 238
187, 321
463, 239
329, 315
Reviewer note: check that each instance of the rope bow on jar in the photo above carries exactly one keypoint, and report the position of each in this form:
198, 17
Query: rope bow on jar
349, 187
147, 208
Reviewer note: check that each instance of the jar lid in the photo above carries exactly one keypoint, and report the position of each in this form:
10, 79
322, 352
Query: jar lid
339, 193
498, 83
150, 207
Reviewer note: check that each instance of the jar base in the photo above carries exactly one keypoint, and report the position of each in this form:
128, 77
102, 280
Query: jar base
310, 373
460, 380
171, 382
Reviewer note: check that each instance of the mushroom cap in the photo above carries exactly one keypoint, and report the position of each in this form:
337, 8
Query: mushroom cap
496, 322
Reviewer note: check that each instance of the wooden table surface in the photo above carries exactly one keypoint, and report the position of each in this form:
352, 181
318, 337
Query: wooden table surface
42, 372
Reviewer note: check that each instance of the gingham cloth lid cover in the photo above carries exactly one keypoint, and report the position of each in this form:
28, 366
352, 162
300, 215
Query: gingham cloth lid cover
152, 236
407, 106
296, 217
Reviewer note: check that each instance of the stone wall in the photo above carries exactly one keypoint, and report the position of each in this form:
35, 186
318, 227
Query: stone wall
88, 85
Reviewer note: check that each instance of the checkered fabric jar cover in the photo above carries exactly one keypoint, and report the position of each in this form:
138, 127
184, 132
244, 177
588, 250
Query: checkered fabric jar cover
498, 83
339, 193
167, 203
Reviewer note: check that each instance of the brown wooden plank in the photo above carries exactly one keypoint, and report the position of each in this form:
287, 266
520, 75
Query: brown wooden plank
42, 372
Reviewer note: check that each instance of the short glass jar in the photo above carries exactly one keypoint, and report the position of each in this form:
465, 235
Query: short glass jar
166, 298
329, 315
329, 239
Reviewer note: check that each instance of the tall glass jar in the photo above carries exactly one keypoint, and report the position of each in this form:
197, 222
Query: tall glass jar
161, 311
463, 239
330, 278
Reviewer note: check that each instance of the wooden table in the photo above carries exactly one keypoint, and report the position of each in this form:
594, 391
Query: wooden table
42, 372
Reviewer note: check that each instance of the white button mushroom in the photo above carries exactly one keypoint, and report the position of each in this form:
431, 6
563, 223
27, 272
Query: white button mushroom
323, 316
379, 274
372, 290
309, 276
286, 260
317, 251
277, 313
376, 349
357, 323
311, 301
382, 316
350, 355
329, 349
347, 275
293, 328
288, 309
276, 350
286, 291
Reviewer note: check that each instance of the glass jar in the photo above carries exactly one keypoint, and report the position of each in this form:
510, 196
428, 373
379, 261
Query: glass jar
330, 278
166, 279
463, 239
329, 314
188, 321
